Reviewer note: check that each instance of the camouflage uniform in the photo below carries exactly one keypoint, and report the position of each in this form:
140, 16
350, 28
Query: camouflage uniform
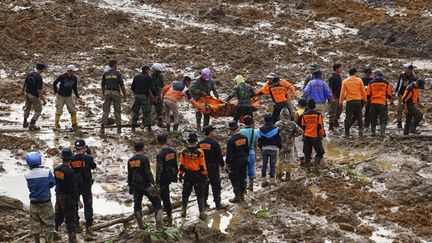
288, 131
42, 219
158, 85
198, 86
141, 101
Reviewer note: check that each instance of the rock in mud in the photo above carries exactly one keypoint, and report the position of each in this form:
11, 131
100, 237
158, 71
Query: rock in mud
365, 230
346, 227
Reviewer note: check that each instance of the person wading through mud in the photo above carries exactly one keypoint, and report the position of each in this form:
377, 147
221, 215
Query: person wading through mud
172, 94
67, 196
82, 163
166, 172
319, 91
335, 84
378, 92
112, 83
143, 97
411, 99
141, 183
252, 136
313, 133
289, 130
279, 94
201, 87
243, 92
68, 83
367, 78
236, 162
193, 174
158, 84
313, 68
39, 182
34, 97
214, 162
405, 79
269, 141
354, 92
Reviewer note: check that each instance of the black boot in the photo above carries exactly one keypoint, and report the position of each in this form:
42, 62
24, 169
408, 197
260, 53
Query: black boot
25, 123
168, 127
331, 127
72, 237
149, 129
33, 126
118, 129
139, 219
399, 124
102, 130
176, 127
133, 128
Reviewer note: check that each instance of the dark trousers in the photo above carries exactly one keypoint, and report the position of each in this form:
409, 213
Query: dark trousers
154, 199
268, 155
237, 175
413, 118
380, 112
316, 144
158, 106
165, 196
215, 182
367, 115
353, 113
66, 209
242, 110
87, 197
277, 108
193, 180
199, 115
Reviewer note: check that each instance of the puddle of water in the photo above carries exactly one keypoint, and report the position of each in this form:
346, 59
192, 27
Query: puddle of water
382, 235
223, 222
333, 151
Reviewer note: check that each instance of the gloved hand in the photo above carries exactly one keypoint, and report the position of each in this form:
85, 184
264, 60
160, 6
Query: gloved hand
180, 178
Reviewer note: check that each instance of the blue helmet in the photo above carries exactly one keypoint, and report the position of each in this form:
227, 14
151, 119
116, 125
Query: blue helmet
33, 159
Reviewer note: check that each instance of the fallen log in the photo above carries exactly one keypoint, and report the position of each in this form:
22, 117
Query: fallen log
404, 137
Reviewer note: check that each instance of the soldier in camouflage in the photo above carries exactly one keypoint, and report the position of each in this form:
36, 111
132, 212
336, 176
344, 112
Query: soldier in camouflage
289, 130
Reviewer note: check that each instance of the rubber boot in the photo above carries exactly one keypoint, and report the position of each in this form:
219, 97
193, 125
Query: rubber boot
250, 184
175, 128
160, 123
25, 123
139, 219
149, 129
102, 130
183, 212
119, 129
74, 120
133, 128
288, 171
264, 182
72, 237
168, 127
36, 238
382, 131
89, 235
279, 171
79, 229
399, 124
56, 236
159, 220
361, 133
32, 126
202, 216
57, 122
236, 198
220, 206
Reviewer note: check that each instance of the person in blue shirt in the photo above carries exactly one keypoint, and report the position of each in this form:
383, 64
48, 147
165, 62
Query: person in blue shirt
39, 182
252, 136
319, 91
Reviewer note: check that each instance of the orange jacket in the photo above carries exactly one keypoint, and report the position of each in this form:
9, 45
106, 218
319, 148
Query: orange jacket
354, 89
312, 124
278, 92
192, 159
411, 94
265, 90
176, 91
378, 92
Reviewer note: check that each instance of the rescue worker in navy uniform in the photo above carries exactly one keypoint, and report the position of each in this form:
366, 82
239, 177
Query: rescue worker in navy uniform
214, 161
166, 172
236, 162
83, 164
313, 127
67, 196
193, 172
406, 78
141, 183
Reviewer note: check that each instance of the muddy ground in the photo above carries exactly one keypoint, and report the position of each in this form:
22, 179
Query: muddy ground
369, 189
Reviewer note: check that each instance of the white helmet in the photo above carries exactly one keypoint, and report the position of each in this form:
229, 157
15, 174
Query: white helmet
159, 67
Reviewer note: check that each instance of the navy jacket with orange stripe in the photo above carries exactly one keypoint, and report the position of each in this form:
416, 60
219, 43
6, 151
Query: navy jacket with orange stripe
312, 124
65, 181
139, 173
83, 164
237, 150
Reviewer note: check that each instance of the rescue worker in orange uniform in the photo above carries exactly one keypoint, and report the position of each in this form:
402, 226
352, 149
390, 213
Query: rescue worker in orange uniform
171, 95
280, 91
378, 92
313, 133
193, 174
411, 98
355, 92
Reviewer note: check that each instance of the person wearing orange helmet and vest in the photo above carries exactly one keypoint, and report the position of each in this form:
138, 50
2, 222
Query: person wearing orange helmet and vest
355, 94
193, 174
279, 90
313, 132
378, 92
411, 98
172, 94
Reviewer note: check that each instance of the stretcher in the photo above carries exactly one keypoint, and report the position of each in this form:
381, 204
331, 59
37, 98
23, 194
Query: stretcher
218, 108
